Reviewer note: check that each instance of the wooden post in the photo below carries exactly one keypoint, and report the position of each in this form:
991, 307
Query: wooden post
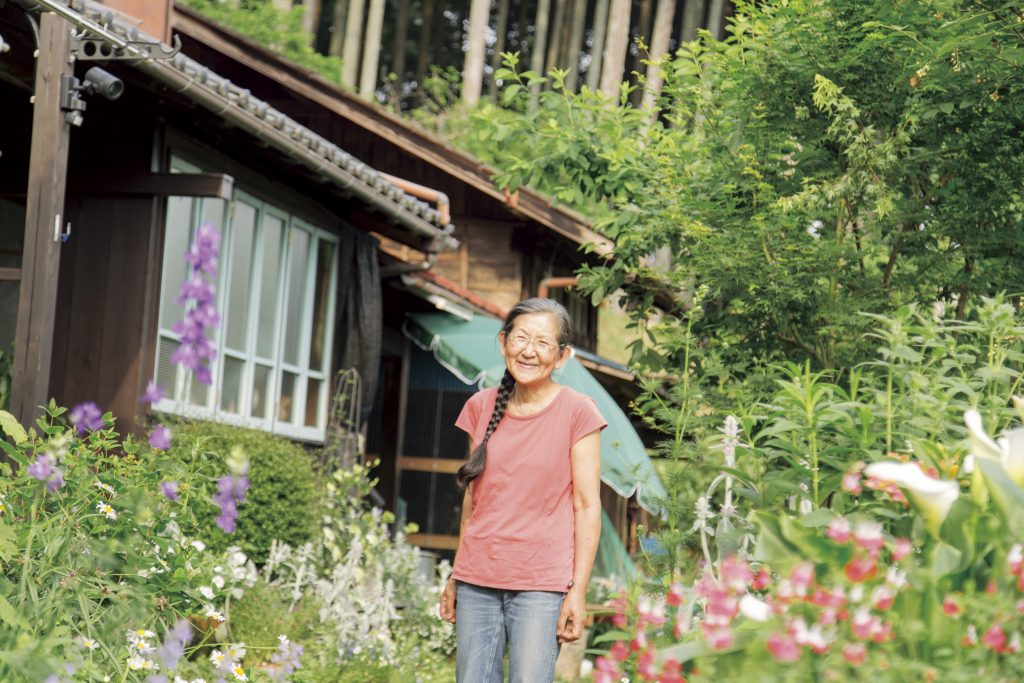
44, 215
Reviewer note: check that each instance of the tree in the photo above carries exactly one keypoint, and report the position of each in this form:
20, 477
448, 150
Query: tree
473, 72
659, 49
353, 42
371, 49
616, 43
597, 50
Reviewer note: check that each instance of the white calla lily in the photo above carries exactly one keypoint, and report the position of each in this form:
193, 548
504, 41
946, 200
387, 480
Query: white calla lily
933, 498
1008, 452
755, 609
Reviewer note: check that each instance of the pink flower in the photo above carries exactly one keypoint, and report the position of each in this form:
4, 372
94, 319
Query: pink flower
671, 671
851, 483
901, 549
882, 598
839, 530
1015, 559
855, 653
736, 573
639, 641
762, 579
619, 651
882, 633
861, 569
995, 638
802, 578
645, 666
675, 595
783, 647
606, 671
719, 638
863, 624
950, 606
868, 535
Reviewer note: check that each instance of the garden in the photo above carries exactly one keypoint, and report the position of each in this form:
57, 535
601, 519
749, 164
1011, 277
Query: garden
817, 230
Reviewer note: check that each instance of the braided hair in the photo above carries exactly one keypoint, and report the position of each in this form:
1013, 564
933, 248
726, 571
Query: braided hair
474, 467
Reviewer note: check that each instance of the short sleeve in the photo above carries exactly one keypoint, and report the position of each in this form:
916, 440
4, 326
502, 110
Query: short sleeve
470, 415
586, 419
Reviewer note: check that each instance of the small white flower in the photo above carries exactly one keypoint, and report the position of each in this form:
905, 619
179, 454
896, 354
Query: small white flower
218, 659
198, 545
218, 581
3, 504
105, 510
236, 651
89, 643
104, 487
239, 673
211, 613
206, 592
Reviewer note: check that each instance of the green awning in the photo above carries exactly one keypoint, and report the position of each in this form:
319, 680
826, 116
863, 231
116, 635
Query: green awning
469, 349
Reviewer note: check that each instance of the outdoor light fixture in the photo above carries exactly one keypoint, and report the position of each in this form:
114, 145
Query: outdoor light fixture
97, 81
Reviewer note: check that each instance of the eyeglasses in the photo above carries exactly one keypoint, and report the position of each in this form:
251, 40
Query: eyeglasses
518, 342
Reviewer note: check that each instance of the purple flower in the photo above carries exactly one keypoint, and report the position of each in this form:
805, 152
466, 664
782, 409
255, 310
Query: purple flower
86, 417
230, 492
287, 659
154, 392
191, 330
169, 489
160, 438
45, 469
203, 375
204, 250
173, 647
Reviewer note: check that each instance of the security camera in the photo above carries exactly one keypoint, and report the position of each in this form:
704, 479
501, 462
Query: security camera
103, 83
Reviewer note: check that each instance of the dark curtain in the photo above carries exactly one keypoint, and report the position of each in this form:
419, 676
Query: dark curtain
360, 316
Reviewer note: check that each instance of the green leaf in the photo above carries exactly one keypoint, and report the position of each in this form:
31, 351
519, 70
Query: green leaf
12, 427
1007, 496
11, 616
8, 543
945, 560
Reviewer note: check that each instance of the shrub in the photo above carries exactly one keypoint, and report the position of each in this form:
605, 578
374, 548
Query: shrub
282, 502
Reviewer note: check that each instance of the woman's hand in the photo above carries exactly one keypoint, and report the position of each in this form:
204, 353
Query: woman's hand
572, 617
447, 607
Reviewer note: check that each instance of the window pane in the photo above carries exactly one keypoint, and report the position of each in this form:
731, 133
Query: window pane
199, 393
318, 337
266, 333
312, 402
213, 213
260, 391
243, 229
297, 271
231, 386
166, 371
286, 404
176, 239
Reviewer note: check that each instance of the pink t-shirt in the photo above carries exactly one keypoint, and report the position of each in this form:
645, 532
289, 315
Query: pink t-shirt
520, 534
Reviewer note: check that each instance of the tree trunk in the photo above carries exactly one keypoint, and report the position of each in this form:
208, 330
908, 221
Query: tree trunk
338, 37
693, 15
284, 5
540, 42
579, 20
473, 71
311, 18
423, 53
555, 44
499, 47
659, 46
716, 14
371, 49
353, 41
644, 31
398, 52
615, 47
597, 48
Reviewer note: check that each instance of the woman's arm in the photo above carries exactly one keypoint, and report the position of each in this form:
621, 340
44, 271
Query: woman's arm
447, 608
585, 459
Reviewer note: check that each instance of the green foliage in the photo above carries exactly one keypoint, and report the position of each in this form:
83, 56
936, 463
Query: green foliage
282, 502
280, 30
828, 158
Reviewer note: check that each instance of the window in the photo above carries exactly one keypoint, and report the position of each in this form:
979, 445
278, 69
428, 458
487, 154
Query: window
275, 292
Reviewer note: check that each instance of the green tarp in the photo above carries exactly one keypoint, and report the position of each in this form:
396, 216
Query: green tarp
469, 349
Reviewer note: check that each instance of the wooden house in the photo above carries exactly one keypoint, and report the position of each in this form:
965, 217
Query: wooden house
374, 219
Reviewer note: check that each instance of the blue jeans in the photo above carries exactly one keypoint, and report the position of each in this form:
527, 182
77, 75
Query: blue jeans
486, 619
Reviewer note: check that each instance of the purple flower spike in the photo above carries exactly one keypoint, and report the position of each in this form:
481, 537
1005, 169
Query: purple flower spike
154, 392
86, 417
169, 489
160, 438
230, 493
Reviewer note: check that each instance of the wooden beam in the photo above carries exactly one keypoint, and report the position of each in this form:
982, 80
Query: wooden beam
44, 215
445, 465
434, 541
215, 185
10, 274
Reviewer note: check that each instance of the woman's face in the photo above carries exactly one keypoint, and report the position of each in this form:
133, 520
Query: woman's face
531, 348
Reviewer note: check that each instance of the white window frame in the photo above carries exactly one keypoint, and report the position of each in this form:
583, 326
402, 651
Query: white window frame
179, 404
